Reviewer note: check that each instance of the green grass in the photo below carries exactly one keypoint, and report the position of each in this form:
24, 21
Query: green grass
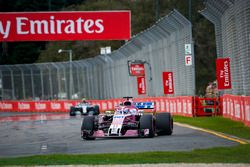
218, 124
236, 154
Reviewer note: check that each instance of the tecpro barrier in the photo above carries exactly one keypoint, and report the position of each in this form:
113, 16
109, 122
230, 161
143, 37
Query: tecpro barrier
236, 108
37, 106
175, 105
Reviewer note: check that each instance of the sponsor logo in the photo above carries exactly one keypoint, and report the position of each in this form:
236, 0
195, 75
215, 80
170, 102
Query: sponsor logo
40, 106
23, 106
223, 73
6, 106
37, 26
55, 106
118, 117
67, 105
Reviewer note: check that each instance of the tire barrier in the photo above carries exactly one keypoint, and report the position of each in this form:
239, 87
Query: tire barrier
230, 106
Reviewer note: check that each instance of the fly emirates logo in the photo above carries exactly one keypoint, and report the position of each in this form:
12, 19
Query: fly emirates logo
26, 26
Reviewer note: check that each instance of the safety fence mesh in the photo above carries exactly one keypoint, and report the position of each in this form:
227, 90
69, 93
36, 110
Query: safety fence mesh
160, 47
232, 28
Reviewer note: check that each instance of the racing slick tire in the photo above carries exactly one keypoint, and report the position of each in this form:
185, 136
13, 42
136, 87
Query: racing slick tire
93, 110
147, 122
97, 110
72, 111
87, 128
164, 124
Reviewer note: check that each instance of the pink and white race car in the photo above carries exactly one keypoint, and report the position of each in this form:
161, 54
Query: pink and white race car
128, 120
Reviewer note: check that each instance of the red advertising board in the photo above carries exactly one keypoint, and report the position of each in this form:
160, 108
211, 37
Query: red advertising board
50, 26
141, 85
137, 69
223, 74
168, 82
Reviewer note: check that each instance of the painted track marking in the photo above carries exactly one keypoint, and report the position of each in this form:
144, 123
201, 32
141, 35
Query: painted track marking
35, 117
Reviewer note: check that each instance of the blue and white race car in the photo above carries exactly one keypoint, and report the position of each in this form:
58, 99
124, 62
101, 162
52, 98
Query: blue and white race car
84, 108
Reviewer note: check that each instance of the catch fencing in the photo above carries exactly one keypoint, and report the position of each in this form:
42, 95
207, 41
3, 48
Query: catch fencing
232, 30
161, 48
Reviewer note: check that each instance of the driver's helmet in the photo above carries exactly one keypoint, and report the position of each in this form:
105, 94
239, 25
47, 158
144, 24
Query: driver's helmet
126, 111
132, 111
127, 103
84, 100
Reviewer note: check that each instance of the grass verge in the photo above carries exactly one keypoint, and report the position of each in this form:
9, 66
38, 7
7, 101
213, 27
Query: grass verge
218, 124
236, 154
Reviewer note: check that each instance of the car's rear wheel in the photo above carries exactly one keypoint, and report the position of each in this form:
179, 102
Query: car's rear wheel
164, 124
93, 110
87, 128
147, 126
97, 110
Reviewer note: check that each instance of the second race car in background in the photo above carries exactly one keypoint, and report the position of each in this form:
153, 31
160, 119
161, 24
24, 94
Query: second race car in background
128, 120
84, 108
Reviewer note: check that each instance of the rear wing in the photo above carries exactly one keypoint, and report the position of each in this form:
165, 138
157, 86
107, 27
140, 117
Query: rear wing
149, 106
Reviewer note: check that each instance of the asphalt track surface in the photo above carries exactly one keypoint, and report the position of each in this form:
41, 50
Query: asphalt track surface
37, 134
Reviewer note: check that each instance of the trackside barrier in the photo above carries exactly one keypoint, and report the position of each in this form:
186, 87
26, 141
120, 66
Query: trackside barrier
207, 107
175, 105
247, 111
37, 106
230, 106
237, 108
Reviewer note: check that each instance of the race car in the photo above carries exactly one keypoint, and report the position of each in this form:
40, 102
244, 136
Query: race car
84, 108
128, 120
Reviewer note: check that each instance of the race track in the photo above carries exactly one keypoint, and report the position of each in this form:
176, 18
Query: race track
36, 134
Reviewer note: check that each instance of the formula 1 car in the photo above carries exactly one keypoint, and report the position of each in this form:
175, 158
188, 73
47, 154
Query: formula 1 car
128, 120
84, 108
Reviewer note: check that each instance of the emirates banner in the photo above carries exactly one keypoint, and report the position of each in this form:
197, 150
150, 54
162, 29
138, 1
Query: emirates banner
141, 85
168, 82
223, 74
137, 69
49, 26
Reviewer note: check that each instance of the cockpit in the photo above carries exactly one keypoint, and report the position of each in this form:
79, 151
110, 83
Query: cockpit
127, 103
125, 111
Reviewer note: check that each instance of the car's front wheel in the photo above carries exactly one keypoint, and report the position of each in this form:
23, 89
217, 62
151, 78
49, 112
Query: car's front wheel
87, 128
146, 127
164, 123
